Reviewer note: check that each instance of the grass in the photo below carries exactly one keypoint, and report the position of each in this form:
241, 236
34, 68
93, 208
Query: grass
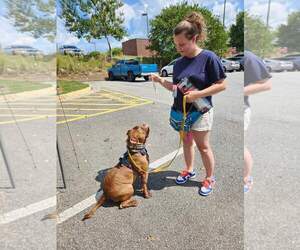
17, 64
12, 87
70, 86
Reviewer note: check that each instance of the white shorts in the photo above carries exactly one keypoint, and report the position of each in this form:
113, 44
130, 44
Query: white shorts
247, 118
205, 122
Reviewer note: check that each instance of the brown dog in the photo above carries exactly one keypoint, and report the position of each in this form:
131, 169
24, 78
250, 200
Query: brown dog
119, 180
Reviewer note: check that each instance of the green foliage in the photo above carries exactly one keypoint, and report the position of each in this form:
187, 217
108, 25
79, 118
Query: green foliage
18, 64
289, 35
117, 52
94, 19
36, 17
67, 64
161, 34
258, 38
70, 86
14, 86
236, 33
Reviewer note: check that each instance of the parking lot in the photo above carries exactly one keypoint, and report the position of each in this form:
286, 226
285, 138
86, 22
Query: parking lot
175, 217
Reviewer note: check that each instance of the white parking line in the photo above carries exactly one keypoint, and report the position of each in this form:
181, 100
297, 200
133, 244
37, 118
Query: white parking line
77, 208
28, 210
72, 211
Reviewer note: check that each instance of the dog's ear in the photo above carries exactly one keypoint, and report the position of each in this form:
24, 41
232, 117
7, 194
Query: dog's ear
148, 132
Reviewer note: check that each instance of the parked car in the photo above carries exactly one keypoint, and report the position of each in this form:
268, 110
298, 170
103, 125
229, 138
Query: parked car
295, 59
23, 50
237, 58
278, 66
130, 69
70, 50
168, 69
230, 66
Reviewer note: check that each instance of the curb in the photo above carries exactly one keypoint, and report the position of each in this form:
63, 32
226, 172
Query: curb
51, 91
76, 94
29, 94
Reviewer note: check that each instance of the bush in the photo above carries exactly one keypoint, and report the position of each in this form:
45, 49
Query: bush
17, 64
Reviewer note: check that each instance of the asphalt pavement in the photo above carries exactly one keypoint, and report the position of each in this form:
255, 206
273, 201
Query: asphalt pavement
176, 217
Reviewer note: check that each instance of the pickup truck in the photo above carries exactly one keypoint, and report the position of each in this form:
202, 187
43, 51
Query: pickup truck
130, 69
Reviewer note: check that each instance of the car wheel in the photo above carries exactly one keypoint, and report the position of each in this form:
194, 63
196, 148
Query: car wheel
146, 78
225, 70
111, 76
130, 76
164, 73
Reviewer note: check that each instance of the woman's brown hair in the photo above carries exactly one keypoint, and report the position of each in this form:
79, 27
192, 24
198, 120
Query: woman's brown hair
192, 25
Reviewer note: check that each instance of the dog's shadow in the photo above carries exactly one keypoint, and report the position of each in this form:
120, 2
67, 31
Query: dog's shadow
156, 181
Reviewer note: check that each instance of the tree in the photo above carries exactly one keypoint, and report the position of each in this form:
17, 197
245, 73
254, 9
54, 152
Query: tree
161, 35
258, 37
236, 33
117, 51
289, 35
94, 19
36, 17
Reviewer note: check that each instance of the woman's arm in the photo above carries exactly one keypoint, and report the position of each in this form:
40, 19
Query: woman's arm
257, 87
215, 88
166, 84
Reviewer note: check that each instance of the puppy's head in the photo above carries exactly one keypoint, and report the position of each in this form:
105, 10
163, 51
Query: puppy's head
138, 134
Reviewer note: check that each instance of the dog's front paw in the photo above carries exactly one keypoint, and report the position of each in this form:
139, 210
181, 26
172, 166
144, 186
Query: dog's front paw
147, 195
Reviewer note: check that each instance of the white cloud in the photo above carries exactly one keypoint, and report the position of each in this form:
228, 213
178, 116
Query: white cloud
63, 36
230, 12
129, 14
279, 11
9, 35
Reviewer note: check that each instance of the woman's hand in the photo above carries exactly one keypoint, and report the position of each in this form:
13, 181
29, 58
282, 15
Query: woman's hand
192, 96
156, 78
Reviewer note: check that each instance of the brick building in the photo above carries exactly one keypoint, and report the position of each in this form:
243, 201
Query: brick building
137, 47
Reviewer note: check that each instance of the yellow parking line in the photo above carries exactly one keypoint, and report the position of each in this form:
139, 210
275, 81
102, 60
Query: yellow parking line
22, 120
127, 102
105, 112
90, 100
54, 109
120, 93
70, 103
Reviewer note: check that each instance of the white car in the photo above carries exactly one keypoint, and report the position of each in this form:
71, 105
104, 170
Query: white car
23, 50
230, 66
168, 69
70, 50
277, 65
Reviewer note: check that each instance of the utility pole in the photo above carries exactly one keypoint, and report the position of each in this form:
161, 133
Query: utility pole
224, 13
268, 14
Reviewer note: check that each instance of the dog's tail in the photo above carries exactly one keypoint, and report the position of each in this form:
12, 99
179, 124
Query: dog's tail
94, 208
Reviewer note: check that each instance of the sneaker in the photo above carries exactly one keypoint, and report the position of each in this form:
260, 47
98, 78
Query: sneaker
206, 187
248, 185
185, 176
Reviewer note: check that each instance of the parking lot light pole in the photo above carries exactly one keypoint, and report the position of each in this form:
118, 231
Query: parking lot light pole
224, 13
268, 14
146, 14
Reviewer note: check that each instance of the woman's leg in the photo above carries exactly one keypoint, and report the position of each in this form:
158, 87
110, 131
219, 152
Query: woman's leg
202, 141
248, 165
188, 152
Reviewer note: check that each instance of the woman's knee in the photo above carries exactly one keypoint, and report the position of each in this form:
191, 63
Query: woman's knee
204, 148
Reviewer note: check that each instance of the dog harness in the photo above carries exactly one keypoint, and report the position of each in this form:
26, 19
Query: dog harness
124, 160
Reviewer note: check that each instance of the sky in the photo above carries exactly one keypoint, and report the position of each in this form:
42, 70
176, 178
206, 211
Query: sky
136, 26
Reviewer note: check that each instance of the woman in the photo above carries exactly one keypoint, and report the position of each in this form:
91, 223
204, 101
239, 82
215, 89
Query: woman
204, 70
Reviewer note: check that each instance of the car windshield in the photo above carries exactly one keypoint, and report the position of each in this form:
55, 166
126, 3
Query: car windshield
132, 62
21, 47
70, 47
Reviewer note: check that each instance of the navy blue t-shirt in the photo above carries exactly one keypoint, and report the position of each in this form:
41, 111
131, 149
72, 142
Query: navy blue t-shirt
202, 71
255, 70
